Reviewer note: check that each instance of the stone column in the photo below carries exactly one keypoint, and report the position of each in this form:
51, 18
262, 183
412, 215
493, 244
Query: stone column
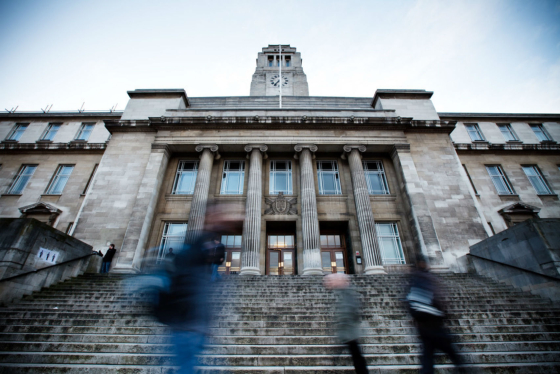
420, 219
200, 195
366, 223
132, 250
251, 244
309, 220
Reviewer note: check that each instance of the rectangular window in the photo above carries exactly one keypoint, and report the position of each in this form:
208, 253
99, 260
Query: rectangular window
537, 179
280, 177
329, 180
375, 178
541, 133
474, 131
470, 180
173, 238
233, 178
507, 132
51, 131
270, 61
59, 180
231, 241
17, 131
390, 244
185, 178
90, 179
288, 62
85, 131
24, 175
500, 180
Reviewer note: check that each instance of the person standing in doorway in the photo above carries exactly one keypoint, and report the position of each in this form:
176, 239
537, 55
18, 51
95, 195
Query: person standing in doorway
106, 264
217, 256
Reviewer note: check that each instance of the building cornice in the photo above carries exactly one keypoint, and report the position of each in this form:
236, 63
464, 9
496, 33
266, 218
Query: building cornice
159, 93
551, 147
506, 117
52, 147
53, 116
400, 94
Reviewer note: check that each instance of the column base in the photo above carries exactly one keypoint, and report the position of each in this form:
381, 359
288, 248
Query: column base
440, 269
371, 270
250, 271
312, 271
124, 269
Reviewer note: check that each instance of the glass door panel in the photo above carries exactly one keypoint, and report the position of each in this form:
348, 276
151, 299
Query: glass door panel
339, 260
326, 262
235, 263
274, 262
288, 268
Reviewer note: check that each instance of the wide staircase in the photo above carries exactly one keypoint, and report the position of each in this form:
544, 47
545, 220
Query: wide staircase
91, 325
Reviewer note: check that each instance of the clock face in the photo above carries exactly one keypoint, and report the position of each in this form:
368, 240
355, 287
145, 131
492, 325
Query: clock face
275, 80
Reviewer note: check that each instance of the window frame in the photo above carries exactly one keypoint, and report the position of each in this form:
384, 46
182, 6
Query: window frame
539, 175
335, 172
15, 134
49, 130
179, 174
272, 178
540, 127
57, 177
224, 190
160, 257
477, 130
81, 131
509, 130
381, 172
18, 177
504, 178
401, 260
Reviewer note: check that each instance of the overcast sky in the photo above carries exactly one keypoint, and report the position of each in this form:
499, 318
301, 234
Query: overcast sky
477, 56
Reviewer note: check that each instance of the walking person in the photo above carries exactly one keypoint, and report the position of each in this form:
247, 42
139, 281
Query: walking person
426, 305
348, 317
106, 263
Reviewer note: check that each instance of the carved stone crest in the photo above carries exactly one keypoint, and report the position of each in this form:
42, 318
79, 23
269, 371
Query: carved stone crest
281, 205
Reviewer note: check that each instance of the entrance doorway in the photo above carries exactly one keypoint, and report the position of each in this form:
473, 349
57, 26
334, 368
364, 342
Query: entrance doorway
232, 261
280, 255
333, 254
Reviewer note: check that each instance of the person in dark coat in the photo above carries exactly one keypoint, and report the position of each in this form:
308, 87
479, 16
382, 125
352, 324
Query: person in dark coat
426, 304
348, 317
106, 263
216, 258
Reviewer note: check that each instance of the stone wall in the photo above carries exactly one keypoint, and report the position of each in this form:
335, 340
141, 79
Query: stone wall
23, 239
456, 220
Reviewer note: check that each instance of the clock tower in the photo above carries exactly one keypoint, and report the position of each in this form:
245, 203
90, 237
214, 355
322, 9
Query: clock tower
267, 80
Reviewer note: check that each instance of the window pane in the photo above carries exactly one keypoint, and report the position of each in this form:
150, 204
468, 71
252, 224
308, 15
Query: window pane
323, 240
537, 180
173, 237
326, 262
238, 241
51, 132
274, 262
474, 132
288, 263
500, 181
289, 241
24, 175
507, 132
235, 262
85, 132
273, 241
389, 243
540, 133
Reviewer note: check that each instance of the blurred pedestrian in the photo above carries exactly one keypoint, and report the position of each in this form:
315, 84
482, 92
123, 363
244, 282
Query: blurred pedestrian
170, 256
348, 317
426, 304
108, 258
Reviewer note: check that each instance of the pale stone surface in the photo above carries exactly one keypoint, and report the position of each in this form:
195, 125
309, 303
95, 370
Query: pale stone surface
250, 248
197, 212
372, 258
310, 223
142, 214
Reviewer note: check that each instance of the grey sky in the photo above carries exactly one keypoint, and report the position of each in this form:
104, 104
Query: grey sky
477, 56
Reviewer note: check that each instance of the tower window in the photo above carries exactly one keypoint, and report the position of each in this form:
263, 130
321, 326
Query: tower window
288, 62
270, 61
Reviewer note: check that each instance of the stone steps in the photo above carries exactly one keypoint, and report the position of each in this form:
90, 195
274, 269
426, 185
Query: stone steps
274, 325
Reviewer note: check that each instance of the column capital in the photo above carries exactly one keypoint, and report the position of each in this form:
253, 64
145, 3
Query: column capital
300, 147
349, 147
212, 147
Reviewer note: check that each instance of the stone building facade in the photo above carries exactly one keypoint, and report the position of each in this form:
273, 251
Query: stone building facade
323, 184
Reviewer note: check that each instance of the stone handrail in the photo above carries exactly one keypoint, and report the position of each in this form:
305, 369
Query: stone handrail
515, 267
17, 286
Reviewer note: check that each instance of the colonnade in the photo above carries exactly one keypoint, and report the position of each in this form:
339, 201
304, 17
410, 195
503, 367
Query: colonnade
310, 223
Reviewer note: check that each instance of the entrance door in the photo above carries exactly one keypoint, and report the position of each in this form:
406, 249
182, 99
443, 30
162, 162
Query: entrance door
280, 259
333, 254
232, 261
